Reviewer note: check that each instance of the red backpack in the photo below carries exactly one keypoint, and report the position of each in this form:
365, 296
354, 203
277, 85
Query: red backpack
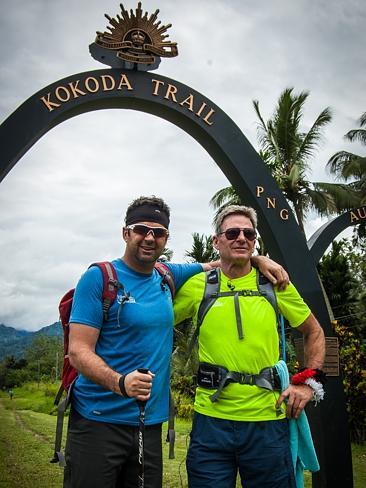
69, 373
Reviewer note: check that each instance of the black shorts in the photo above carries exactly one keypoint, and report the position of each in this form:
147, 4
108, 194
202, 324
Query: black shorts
103, 455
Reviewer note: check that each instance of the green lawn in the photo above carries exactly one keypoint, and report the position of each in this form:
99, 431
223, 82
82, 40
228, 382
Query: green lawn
26, 447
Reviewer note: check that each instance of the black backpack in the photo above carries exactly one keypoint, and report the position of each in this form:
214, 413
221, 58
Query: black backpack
212, 293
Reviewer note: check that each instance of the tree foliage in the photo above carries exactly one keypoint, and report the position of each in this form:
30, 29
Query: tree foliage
202, 250
42, 362
351, 168
343, 273
288, 151
353, 366
12, 372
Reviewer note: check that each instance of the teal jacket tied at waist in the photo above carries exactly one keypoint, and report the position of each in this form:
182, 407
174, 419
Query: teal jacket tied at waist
301, 443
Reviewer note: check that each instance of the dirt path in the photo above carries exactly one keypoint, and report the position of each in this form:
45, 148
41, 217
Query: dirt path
24, 426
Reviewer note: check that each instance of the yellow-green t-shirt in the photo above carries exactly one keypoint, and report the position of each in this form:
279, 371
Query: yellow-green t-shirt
219, 342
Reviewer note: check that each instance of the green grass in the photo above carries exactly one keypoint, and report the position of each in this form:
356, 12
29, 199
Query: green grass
38, 398
359, 465
174, 470
26, 445
25, 454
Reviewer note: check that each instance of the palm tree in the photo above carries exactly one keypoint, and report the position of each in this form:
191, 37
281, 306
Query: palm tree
167, 254
202, 249
287, 151
348, 166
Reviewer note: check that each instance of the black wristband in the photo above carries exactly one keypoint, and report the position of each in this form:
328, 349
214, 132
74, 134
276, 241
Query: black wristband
121, 383
320, 376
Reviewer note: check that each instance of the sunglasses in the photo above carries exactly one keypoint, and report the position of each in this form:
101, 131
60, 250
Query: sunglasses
234, 233
144, 230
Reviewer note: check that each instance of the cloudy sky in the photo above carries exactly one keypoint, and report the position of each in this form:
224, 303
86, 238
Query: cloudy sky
61, 206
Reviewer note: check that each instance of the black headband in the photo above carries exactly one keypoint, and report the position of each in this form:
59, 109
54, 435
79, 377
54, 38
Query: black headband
147, 213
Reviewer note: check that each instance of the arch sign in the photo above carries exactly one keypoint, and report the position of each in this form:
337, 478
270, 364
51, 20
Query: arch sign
321, 239
128, 84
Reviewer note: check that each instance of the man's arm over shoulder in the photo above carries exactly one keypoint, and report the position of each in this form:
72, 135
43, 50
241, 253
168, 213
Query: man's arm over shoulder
183, 272
273, 271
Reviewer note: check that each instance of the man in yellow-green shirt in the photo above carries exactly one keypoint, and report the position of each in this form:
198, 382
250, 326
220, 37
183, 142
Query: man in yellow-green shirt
240, 424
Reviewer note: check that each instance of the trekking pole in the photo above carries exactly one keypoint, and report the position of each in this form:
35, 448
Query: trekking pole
141, 436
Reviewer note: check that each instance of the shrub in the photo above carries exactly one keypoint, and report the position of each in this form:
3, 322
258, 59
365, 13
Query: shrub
183, 405
352, 357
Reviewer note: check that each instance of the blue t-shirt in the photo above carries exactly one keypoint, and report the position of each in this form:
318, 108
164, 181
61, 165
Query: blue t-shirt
137, 334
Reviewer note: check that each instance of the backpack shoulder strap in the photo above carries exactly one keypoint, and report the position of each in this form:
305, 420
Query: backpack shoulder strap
167, 276
265, 287
212, 288
110, 285
109, 294
210, 294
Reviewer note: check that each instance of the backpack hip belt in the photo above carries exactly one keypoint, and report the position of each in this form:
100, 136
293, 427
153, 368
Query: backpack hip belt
212, 376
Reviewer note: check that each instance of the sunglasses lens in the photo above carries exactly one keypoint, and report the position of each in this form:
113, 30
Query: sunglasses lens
232, 234
143, 230
250, 234
159, 232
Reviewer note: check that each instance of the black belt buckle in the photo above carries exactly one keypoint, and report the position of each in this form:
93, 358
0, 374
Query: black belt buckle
210, 376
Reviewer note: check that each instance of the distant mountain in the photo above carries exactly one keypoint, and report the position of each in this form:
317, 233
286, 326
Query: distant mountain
13, 342
53, 330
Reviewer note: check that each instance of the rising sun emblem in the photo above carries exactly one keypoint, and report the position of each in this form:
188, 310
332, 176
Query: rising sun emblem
135, 41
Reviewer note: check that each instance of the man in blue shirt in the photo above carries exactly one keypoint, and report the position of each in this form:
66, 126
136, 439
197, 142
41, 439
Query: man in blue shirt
102, 444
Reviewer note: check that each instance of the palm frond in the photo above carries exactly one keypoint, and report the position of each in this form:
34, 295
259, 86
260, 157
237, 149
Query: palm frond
256, 108
363, 120
346, 165
356, 135
314, 136
344, 196
285, 124
337, 162
202, 249
225, 196
294, 176
322, 201
264, 131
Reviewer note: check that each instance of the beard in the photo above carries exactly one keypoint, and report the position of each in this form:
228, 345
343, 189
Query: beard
148, 255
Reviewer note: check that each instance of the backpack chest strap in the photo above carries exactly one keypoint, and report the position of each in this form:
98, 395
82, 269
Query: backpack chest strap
236, 295
241, 293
